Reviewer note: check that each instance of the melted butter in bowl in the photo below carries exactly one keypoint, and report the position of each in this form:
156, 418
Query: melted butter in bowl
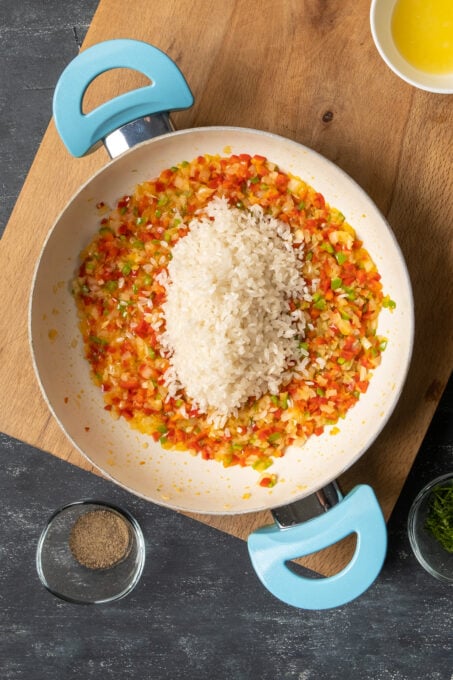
415, 39
423, 33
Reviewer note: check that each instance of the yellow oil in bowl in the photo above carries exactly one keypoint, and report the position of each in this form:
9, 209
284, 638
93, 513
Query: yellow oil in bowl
423, 33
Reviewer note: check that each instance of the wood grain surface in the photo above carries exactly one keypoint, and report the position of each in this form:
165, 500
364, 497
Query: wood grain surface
308, 71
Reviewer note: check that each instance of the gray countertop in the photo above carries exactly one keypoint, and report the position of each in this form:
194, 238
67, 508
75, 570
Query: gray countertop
199, 612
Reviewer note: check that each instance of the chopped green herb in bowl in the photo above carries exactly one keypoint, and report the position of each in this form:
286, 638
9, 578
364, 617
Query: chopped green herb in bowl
430, 527
439, 521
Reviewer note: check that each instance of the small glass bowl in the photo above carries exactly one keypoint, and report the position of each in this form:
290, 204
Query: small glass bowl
68, 579
429, 552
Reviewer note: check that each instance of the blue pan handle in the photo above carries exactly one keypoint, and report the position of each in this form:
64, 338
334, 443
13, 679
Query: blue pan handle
168, 91
271, 547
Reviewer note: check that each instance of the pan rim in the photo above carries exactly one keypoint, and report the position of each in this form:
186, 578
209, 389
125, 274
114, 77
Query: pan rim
409, 329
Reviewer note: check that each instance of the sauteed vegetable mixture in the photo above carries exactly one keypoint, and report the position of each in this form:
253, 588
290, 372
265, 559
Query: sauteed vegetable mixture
120, 292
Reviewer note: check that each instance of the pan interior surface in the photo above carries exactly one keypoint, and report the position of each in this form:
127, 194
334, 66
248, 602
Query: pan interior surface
133, 460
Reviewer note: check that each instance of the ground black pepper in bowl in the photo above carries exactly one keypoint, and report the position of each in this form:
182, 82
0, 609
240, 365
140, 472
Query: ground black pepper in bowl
100, 539
90, 552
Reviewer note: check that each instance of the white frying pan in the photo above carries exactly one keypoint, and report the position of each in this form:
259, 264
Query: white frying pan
134, 460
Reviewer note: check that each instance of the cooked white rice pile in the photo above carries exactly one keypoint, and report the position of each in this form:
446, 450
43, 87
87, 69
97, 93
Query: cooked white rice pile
229, 333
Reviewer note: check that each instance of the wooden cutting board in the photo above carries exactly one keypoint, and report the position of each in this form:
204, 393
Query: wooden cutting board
308, 71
